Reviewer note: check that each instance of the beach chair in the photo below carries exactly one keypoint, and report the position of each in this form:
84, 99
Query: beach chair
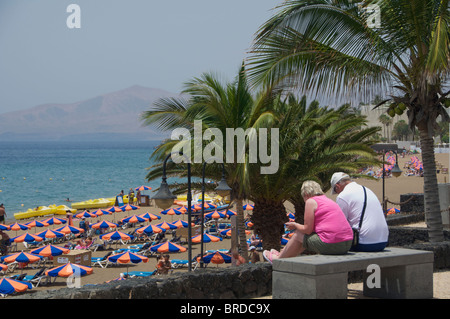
36, 279
103, 262
134, 274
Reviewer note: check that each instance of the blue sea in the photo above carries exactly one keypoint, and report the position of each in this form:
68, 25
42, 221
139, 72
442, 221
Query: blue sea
43, 173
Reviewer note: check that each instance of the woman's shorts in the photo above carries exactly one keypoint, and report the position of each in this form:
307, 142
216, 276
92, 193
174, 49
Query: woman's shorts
313, 242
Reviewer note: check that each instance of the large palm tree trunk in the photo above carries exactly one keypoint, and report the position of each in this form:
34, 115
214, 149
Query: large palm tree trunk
268, 219
432, 208
241, 228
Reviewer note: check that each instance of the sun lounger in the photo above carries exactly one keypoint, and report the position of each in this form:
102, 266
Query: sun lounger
101, 261
133, 274
36, 279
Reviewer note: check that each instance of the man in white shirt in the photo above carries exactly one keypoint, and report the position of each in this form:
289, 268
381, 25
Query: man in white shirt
374, 232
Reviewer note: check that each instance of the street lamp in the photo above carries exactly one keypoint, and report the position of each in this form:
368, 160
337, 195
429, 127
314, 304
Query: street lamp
222, 189
164, 199
396, 172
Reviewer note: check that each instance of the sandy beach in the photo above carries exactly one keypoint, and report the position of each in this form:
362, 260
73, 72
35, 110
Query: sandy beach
394, 188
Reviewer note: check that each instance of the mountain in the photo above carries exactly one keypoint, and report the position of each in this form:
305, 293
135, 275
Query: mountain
112, 116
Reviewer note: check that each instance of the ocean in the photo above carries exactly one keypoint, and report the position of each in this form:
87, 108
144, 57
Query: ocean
43, 173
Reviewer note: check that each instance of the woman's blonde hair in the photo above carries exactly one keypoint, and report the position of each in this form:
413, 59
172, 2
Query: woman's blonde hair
310, 189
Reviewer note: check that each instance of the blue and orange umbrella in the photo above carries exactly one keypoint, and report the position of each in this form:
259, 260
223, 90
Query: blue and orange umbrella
100, 212
69, 269
166, 226
227, 232
18, 226
134, 219
215, 215
50, 250
9, 286
116, 235
248, 207
36, 223
104, 225
150, 229
86, 214
55, 221
70, 230
168, 247
143, 188
207, 238
216, 258
114, 209
22, 257
149, 216
4, 227
128, 257
26, 238
128, 207
50, 234
206, 205
230, 213
393, 211
172, 211
181, 223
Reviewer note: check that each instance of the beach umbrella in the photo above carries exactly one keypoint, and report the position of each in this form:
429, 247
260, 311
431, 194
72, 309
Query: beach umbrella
26, 238
230, 213
290, 215
128, 257
55, 221
69, 269
166, 226
4, 227
100, 212
149, 216
172, 211
104, 225
50, 250
216, 258
393, 210
133, 219
249, 224
181, 223
143, 188
9, 286
70, 230
215, 215
207, 238
50, 234
167, 247
248, 207
206, 205
116, 235
3, 267
227, 232
114, 209
36, 223
85, 214
150, 229
17, 226
22, 257
128, 207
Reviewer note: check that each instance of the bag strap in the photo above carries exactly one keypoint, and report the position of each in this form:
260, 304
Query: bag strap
364, 208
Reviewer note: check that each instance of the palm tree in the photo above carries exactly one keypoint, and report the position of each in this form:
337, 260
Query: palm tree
218, 106
314, 143
327, 47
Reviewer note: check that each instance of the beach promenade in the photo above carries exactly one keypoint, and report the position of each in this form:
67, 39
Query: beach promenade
394, 187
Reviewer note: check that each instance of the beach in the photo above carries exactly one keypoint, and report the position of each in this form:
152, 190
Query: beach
394, 188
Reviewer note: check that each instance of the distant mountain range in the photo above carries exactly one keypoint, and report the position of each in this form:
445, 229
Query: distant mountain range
112, 116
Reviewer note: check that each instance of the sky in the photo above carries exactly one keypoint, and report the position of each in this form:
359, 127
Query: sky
120, 43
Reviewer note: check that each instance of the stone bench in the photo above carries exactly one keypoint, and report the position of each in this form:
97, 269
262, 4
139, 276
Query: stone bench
403, 273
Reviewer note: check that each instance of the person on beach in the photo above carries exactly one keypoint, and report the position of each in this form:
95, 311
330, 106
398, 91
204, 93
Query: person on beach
325, 230
164, 265
374, 232
4, 242
254, 255
2, 213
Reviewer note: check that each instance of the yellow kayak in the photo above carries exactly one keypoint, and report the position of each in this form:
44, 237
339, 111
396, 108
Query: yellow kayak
98, 203
43, 211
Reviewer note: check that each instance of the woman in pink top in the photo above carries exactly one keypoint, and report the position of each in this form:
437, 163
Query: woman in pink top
325, 231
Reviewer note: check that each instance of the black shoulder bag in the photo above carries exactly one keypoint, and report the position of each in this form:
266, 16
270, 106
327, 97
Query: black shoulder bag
356, 230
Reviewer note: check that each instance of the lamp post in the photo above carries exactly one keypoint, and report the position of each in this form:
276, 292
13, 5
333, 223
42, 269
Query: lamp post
396, 171
222, 189
164, 199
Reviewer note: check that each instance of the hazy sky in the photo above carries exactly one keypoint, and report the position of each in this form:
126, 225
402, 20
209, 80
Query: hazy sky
154, 43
